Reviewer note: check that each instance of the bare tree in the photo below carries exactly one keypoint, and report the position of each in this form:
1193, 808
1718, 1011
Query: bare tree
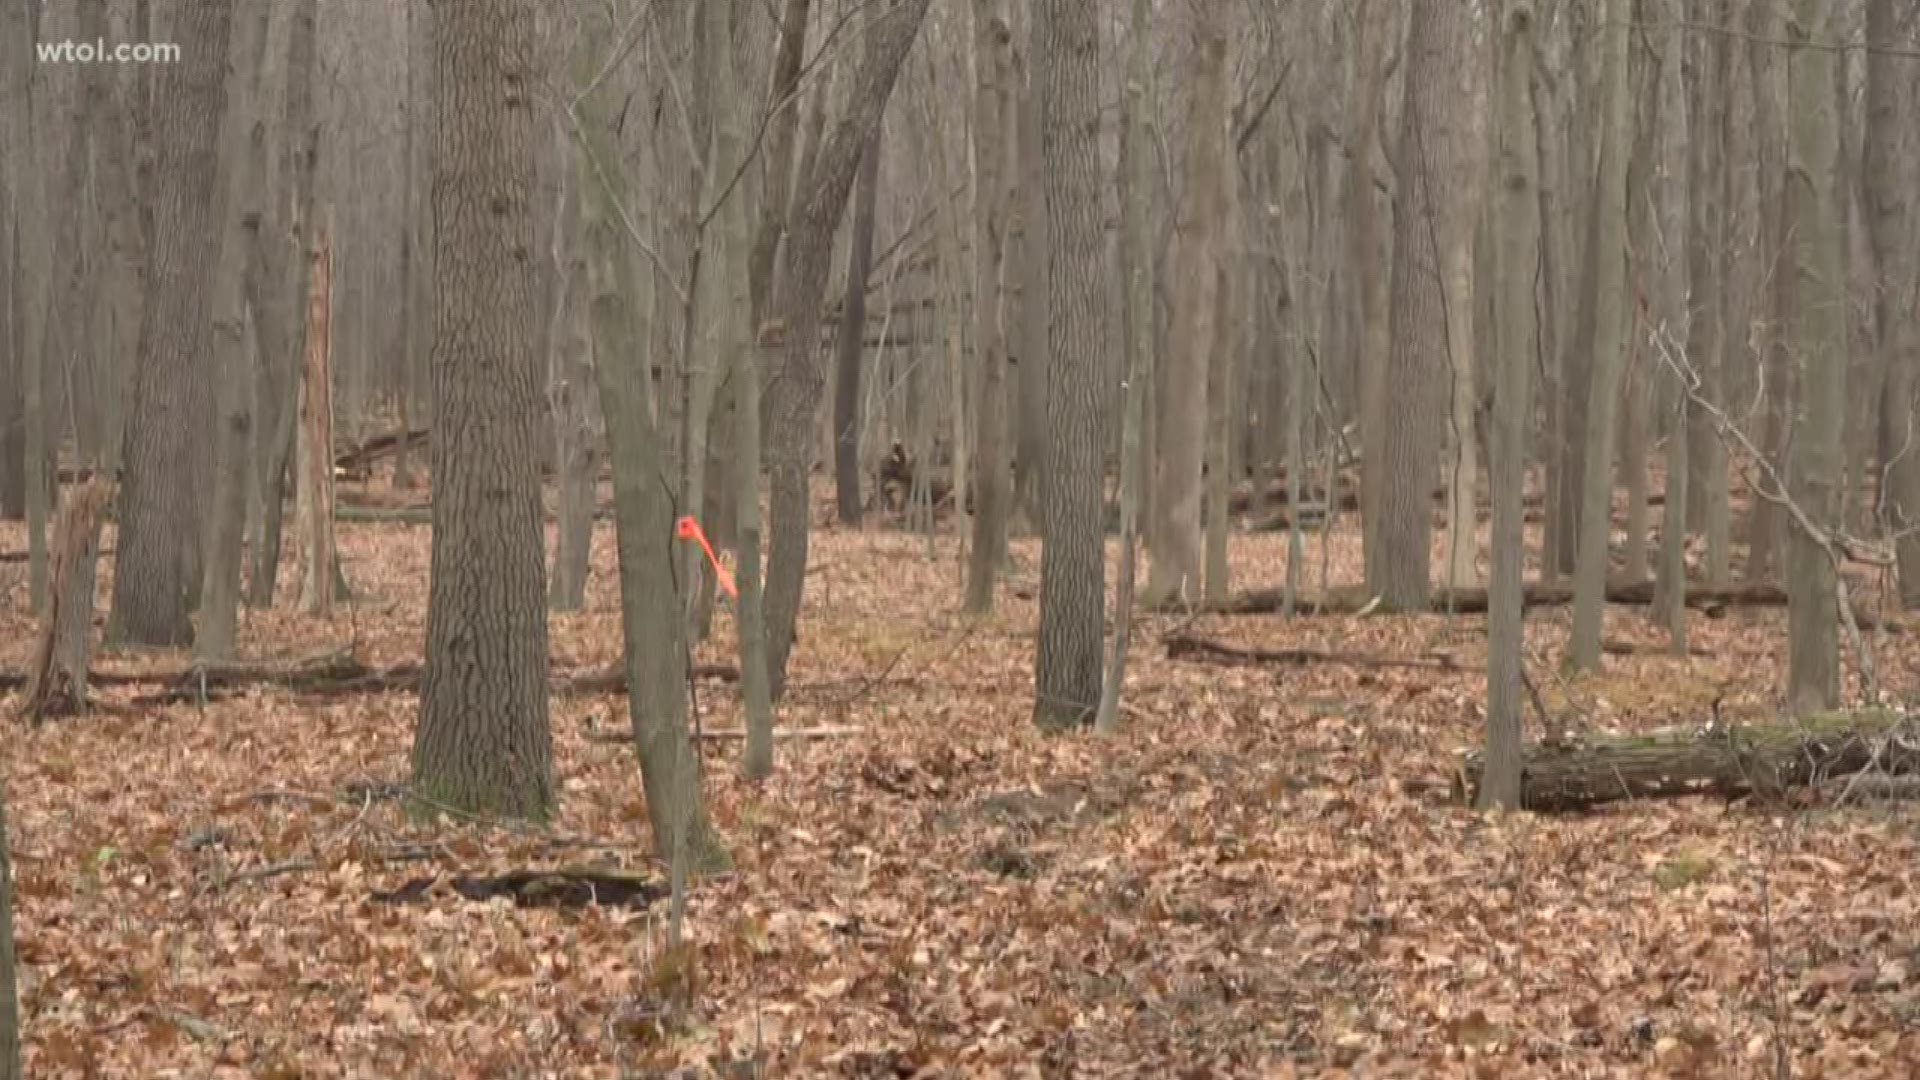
1890, 150
795, 387
1432, 144
852, 336
1518, 227
1820, 350
483, 743
1607, 279
1174, 533
992, 113
1072, 563
156, 579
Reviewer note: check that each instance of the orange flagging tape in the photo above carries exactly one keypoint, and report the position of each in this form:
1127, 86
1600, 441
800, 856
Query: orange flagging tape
688, 529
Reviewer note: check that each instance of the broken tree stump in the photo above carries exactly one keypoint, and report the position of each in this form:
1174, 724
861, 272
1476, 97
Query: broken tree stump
57, 675
1743, 759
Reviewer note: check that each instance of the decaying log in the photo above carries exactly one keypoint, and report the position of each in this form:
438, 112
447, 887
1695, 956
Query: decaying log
1742, 759
1712, 599
1188, 647
56, 677
356, 462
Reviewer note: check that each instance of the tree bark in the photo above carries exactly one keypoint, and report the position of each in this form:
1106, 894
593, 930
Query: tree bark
1425, 218
1072, 562
315, 453
57, 673
992, 112
1174, 543
853, 332
1820, 343
1707, 509
276, 294
1890, 149
653, 627
795, 388
483, 743
1607, 280
156, 575
1518, 228
1029, 359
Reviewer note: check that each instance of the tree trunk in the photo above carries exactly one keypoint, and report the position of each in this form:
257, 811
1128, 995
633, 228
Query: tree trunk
853, 332
1136, 267
1767, 523
1820, 342
314, 492
992, 99
1518, 228
1029, 360
1072, 562
484, 744
277, 293
155, 579
795, 388
1364, 314
653, 629
1225, 397
576, 460
1174, 545
781, 127
1607, 280
1669, 329
1889, 179
1426, 219
1707, 508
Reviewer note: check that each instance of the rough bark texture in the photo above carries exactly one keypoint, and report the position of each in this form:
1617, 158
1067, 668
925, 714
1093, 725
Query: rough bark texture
1608, 282
1072, 563
1890, 148
1819, 333
1519, 239
315, 455
1174, 537
1707, 509
795, 387
155, 579
993, 61
1430, 154
483, 743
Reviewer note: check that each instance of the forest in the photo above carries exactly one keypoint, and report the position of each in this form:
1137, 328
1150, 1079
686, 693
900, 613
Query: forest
952, 538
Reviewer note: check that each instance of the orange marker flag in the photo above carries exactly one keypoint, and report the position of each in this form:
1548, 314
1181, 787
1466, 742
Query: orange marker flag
688, 529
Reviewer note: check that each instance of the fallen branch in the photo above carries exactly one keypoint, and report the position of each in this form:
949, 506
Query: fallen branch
615, 736
1757, 759
271, 870
1203, 650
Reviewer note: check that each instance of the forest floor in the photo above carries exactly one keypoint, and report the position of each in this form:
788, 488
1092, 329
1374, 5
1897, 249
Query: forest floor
1262, 876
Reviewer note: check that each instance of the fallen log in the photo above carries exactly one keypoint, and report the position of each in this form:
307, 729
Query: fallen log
1472, 600
1744, 759
325, 675
1204, 650
358, 460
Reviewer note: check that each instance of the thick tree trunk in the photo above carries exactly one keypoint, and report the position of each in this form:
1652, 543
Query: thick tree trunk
1072, 563
1819, 333
1767, 523
1426, 220
1889, 179
795, 388
1707, 507
1174, 544
484, 744
156, 574
1519, 228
